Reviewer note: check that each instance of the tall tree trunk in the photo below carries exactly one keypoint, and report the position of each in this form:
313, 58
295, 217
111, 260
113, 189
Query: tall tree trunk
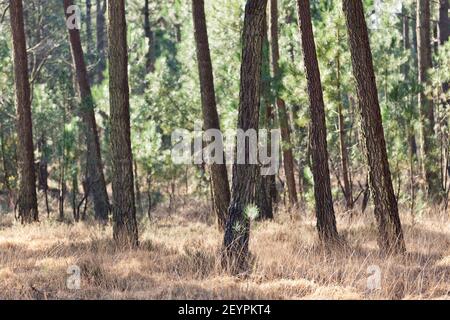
390, 236
428, 145
219, 178
96, 178
89, 35
123, 207
345, 163
28, 210
237, 232
101, 40
326, 221
149, 34
266, 183
288, 158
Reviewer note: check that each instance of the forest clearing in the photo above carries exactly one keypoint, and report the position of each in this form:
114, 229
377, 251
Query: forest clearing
224, 150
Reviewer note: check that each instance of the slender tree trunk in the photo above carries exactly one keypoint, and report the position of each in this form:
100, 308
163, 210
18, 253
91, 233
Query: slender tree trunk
101, 39
89, 35
237, 232
428, 145
345, 163
326, 221
6, 175
219, 177
386, 212
149, 195
149, 34
28, 210
96, 178
288, 158
124, 210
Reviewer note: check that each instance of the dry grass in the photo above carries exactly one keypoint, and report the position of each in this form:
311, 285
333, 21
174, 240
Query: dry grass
177, 259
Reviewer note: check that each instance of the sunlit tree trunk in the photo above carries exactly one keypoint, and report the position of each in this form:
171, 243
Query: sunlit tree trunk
237, 232
27, 202
326, 221
125, 230
390, 237
219, 178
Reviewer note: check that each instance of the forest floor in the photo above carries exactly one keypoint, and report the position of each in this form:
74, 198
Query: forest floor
178, 259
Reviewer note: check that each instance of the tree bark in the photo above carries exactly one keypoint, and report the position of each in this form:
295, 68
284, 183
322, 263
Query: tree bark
237, 232
326, 221
444, 30
390, 237
288, 158
123, 207
27, 202
219, 177
101, 39
426, 113
96, 178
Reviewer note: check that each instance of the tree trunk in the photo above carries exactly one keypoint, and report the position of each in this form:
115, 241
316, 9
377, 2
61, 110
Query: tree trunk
219, 178
89, 36
96, 178
326, 221
149, 34
345, 163
237, 232
288, 158
444, 30
390, 236
124, 210
428, 145
101, 39
28, 210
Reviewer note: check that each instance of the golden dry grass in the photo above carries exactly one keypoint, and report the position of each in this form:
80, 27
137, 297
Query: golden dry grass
178, 259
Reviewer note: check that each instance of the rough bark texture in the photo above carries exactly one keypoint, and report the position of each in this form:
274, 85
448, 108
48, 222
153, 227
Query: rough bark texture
101, 39
123, 206
429, 156
390, 237
95, 178
288, 158
27, 202
219, 178
237, 230
326, 221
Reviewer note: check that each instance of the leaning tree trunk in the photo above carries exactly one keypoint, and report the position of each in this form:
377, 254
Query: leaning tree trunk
390, 237
219, 178
27, 203
288, 158
101, 39
237, 232
123, 207
429, 156
96, 178
326, 221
